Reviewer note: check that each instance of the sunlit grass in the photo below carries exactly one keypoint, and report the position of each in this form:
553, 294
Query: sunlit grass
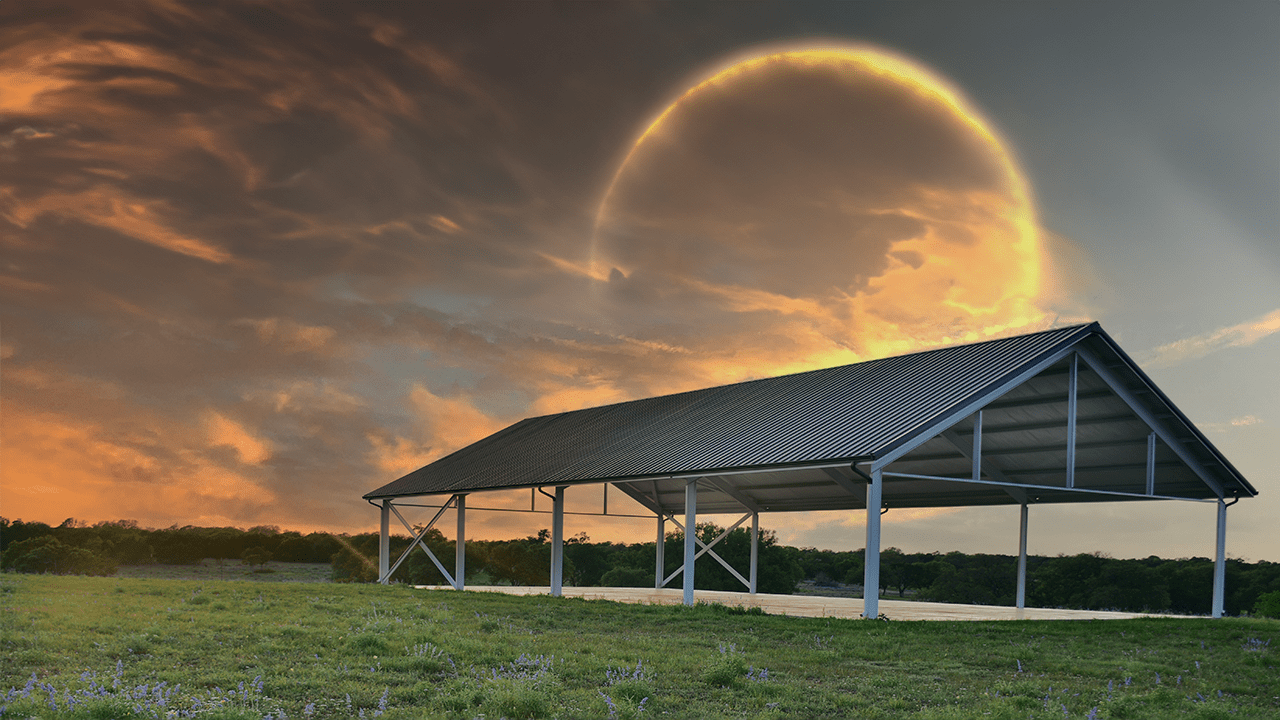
329, 651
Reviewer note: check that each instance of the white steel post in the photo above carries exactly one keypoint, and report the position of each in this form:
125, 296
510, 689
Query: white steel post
1151, 464
977, 446
1220, 561
1073, 382
460, 546
384, 544
557, 543
1022, 559
690, 528
660, 562
755, 550
871, 558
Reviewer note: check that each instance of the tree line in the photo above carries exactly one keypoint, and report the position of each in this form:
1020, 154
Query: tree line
1085, 581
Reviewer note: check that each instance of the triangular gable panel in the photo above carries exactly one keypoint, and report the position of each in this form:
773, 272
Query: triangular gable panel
1024, 439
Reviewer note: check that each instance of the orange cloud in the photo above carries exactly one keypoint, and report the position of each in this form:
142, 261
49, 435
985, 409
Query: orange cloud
291, 335
106, 206
444, 425
1239, 335
223, 431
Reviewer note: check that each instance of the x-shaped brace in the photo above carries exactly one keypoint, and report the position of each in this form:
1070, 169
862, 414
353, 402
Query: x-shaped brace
417, 540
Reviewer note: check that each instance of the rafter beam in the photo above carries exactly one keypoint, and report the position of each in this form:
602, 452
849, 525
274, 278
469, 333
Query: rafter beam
987, 467
1162, 430
857, 489
969, 408
743, 499
645, 500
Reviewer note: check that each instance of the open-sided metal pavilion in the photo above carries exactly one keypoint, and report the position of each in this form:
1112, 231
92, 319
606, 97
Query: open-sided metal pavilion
1058, 416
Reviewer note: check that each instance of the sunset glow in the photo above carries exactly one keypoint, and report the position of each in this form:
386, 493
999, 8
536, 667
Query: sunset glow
972, 271
257, 259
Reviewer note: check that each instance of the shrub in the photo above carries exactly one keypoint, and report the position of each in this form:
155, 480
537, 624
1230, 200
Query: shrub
727, 669
349, 565
627, 577
1268, 605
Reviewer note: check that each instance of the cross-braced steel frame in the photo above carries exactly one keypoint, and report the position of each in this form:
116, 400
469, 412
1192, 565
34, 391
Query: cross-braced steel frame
692, 543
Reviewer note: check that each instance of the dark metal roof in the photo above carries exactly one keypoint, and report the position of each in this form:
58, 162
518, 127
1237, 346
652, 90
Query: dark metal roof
798, 427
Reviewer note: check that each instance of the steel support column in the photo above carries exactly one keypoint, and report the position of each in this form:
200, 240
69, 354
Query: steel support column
1022, 559
1073, 382
871, 558
755, 551
660, 562
460, 546
557, 543
976, 457
1220, 561
1151, 463
690, 532
384, 542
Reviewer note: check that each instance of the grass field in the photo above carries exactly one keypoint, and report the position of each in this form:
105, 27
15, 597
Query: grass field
214, 569
122, 648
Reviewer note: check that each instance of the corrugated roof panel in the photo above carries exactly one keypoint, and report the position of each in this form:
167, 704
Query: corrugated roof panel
823, 415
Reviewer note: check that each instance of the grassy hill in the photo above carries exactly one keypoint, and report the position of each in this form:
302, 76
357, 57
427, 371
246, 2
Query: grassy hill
89, 647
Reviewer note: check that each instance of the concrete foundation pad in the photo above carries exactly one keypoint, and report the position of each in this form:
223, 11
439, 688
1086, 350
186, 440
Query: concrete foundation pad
814, 605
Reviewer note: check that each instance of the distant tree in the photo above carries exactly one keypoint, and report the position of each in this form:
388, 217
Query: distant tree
125, 542
521, 562
17, 531
255, 557
46, 554
178, 547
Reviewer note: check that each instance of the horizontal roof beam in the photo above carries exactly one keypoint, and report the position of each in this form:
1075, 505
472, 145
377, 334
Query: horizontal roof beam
1049, 425
771, 486
1045, 400
1135, 443
888, 475
1093, 468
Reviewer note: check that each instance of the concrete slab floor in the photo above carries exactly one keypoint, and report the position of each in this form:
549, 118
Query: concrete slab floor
813, 605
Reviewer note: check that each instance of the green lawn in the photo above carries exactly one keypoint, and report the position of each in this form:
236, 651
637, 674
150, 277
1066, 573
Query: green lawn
228, 649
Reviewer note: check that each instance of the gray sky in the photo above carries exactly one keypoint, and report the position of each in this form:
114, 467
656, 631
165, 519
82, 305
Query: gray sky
261, 258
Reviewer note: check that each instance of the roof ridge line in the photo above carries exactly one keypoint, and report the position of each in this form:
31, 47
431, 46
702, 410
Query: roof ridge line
1077, 326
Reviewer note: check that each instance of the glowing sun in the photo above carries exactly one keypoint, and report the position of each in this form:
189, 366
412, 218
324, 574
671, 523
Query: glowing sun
844, 198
